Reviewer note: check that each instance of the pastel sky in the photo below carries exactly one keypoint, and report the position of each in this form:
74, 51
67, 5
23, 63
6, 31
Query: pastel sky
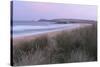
24, 10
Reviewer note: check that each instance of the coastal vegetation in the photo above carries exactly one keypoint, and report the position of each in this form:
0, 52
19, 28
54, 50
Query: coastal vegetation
78, 45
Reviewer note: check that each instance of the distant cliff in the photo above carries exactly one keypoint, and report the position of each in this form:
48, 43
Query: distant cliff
66, 21
57, 21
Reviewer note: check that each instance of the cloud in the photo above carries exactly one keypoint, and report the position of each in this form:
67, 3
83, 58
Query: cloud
30, 10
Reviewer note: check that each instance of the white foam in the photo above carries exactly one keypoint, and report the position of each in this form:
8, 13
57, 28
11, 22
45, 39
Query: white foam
58, 27
27, 27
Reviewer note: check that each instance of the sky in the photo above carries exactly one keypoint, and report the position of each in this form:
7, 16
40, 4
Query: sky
25, 10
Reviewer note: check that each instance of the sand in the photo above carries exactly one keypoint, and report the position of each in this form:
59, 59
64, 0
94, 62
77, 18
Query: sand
27, 38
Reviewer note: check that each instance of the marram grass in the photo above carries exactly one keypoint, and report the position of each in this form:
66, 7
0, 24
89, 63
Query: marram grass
79, 45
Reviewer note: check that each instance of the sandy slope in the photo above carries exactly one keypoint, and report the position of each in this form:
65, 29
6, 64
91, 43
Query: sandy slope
49, 33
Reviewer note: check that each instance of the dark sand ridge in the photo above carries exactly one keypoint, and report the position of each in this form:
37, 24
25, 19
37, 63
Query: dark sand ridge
28, 38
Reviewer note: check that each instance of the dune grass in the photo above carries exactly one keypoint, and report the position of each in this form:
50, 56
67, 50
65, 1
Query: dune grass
79, 45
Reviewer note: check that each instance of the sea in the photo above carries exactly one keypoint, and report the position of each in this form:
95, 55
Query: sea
24, 28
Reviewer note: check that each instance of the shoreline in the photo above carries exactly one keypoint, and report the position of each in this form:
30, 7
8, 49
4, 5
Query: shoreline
27, 38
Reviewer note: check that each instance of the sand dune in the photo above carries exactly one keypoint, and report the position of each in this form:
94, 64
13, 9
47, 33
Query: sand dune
25, 38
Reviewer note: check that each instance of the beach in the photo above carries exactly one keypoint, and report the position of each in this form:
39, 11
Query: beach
50, 33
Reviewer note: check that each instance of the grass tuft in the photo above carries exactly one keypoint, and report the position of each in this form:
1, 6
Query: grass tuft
79, 45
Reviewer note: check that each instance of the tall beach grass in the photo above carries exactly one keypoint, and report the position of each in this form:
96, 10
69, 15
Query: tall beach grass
78, 45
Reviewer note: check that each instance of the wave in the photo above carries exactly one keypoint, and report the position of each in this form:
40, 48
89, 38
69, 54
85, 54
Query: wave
20, 30
27, 27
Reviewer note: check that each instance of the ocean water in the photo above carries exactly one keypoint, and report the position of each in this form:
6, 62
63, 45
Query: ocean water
22, 28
